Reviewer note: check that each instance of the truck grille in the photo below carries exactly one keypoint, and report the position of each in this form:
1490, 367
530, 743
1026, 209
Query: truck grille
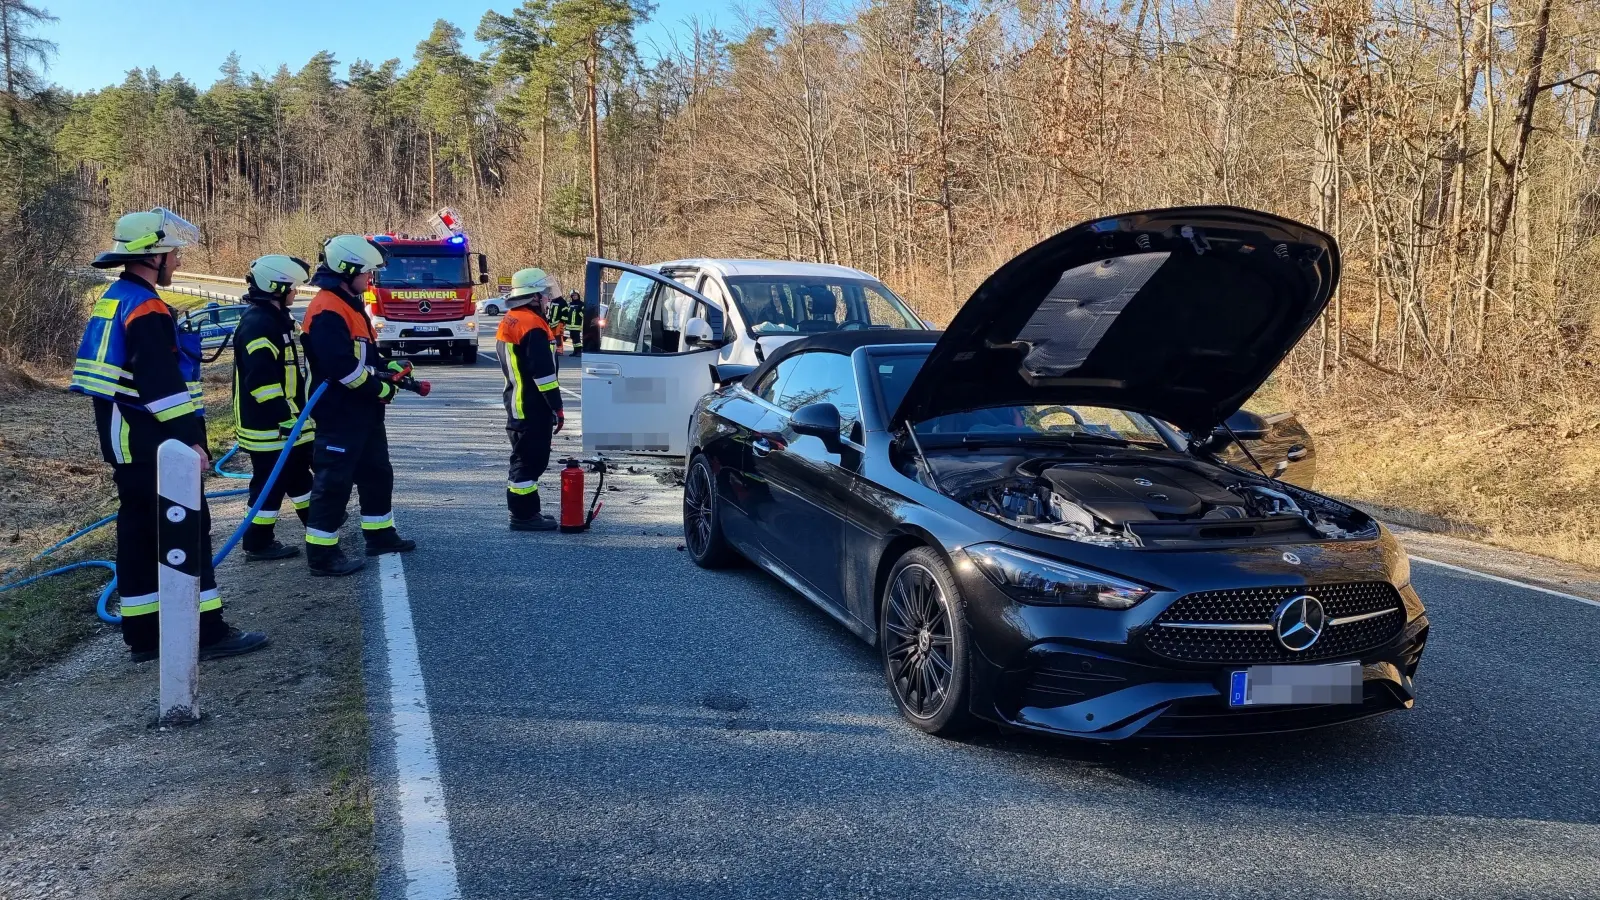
438, 311
1376, 600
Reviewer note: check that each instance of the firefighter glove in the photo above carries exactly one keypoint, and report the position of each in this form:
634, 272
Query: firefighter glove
561, 420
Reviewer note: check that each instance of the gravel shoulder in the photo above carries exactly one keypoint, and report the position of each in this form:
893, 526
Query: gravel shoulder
268, 796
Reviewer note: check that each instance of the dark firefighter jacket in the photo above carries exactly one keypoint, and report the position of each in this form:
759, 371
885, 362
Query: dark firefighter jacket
145, 381
528, 362
269, 376
342, 349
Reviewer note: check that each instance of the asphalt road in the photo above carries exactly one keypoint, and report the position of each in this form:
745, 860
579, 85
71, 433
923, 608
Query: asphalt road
613, 722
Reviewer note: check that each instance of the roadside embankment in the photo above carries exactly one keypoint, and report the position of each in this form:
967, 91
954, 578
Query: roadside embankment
1524, 479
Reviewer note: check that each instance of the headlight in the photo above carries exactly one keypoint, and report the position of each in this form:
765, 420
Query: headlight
1046, 582
471, 326
1401, 576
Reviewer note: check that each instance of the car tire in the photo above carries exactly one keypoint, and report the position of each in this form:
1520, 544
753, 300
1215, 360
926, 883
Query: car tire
492, 310
469, 356
702, 518
925, 644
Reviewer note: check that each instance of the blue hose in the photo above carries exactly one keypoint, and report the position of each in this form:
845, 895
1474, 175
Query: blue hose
101, 605
216, 467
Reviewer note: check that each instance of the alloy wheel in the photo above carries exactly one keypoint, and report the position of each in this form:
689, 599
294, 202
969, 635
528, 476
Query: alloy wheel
920, 643
697, 510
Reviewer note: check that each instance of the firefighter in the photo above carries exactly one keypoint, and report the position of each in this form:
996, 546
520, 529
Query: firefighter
575, 319
144, 378
269, 391
351, 446
555, 315
532, 394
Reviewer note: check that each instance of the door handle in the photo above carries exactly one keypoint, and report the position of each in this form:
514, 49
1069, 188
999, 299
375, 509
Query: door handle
1297, 453
761, 446
602, 369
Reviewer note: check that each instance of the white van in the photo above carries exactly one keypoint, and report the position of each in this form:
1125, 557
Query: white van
664, 326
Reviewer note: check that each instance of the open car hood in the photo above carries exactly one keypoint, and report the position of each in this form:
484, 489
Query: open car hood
1177, 313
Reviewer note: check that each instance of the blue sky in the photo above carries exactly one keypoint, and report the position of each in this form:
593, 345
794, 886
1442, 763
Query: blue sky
100, 40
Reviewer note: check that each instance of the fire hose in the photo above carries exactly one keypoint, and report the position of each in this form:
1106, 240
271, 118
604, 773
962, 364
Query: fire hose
101, 608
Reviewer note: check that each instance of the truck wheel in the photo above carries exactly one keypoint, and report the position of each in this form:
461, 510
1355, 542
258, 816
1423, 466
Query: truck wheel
469, 355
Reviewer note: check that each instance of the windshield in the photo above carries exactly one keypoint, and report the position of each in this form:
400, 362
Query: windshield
793, 304
895, 373
441, 271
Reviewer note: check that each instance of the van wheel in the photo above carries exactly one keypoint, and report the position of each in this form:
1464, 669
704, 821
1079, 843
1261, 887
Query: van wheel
922, 632
702, 518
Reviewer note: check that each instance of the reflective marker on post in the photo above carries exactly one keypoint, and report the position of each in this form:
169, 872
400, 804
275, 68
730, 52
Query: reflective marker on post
179, 542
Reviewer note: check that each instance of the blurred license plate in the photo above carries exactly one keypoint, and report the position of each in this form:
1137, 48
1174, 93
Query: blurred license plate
429, 332
1282, 685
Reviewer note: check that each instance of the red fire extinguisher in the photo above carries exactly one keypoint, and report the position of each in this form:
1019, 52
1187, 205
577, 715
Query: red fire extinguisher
573, 517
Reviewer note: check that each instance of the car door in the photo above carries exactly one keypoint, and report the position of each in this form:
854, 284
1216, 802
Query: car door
808, 523
641, 383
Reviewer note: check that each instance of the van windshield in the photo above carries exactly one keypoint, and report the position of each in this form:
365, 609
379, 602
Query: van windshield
793, 304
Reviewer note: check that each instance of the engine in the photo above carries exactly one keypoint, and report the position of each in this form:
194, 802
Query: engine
1141, 503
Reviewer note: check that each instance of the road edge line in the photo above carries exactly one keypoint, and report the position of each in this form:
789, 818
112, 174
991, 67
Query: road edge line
1511, 581
427, 856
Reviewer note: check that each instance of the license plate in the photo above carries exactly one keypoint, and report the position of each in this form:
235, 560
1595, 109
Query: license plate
429, 332
1284, 685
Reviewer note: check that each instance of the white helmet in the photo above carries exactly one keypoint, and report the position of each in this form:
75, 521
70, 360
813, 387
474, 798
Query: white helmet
528, 284
351, 254
279, 274
140, 235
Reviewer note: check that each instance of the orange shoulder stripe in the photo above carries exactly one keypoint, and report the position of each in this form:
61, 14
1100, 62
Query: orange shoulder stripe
155, 306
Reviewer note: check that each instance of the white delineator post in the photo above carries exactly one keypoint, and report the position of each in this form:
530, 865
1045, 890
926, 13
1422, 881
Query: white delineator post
178, 473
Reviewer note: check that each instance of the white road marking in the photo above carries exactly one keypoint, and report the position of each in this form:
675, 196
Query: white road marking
1513, 582
425, 850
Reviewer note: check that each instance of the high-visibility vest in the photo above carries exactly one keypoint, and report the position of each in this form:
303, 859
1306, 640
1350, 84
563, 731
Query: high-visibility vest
101, 367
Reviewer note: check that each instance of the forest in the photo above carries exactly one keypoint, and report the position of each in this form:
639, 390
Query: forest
1451, 146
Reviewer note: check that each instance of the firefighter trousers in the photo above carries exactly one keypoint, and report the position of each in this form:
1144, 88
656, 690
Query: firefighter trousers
294, 482
530, 456
138, 569
350, 454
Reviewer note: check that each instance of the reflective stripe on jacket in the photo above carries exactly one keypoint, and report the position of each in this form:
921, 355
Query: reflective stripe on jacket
142, 372
528, 362
269, 378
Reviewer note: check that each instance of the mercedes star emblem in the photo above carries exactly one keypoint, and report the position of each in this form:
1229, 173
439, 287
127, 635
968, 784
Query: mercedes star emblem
424, 306
1298, 622
1291, 559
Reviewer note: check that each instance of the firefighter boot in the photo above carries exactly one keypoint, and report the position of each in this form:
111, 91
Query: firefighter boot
387, 540
537, 523
234, 643
274, 550
326, 560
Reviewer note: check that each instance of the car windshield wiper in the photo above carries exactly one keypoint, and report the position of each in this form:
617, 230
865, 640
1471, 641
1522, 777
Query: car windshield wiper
1000, 439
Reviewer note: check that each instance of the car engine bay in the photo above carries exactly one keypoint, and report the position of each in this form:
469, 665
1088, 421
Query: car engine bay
1142, 500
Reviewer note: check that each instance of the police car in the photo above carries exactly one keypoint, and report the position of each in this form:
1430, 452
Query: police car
214, 322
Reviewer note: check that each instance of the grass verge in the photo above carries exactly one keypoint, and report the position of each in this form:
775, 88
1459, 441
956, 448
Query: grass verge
40, 622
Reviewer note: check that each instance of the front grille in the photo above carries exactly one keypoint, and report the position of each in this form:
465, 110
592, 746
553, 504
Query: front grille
1255, 606
438, 310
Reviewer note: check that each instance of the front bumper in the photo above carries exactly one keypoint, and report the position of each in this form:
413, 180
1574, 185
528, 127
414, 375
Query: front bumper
1089, 674
394, 333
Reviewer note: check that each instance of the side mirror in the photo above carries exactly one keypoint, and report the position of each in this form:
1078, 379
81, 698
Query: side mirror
697, 334
1247, 426
820, 420
483, 269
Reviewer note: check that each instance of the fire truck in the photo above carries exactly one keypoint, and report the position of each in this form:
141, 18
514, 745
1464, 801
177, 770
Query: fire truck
421, 299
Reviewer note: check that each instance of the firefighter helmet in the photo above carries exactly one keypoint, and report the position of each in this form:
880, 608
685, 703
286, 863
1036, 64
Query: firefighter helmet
141, 235
528, 284
279, 274
351, 254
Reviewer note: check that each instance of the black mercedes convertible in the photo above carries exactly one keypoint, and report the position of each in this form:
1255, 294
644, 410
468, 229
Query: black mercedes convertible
1041, 516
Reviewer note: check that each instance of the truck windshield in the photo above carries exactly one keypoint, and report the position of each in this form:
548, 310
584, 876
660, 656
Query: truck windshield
792, 304
443, 271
